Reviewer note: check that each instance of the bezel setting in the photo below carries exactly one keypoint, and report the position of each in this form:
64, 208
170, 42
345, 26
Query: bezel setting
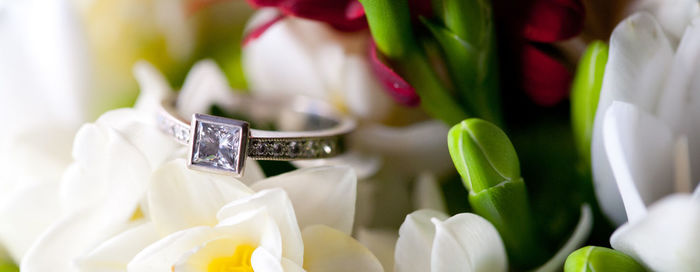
217, 130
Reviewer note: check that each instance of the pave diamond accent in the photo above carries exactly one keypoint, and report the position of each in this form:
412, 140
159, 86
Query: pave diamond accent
291, 148
217, 146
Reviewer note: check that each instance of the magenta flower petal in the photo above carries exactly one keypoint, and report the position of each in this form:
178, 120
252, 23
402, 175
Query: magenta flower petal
545, 80
393, 83
260, 29
344, 15
554, 20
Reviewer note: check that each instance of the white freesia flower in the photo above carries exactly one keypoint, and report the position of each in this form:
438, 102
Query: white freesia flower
646, 150
647, 116
430, 240
392, 144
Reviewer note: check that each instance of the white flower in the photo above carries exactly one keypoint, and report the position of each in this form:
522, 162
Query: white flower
129, 200
392, 144
646, 147
646, 122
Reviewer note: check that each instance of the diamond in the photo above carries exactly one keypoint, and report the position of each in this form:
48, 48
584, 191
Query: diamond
217, 145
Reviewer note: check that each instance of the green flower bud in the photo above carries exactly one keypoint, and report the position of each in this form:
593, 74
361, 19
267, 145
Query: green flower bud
584, 95
592, 258
483, 154
489, 166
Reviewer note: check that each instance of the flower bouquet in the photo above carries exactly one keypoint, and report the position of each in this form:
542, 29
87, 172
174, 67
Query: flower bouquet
350, 135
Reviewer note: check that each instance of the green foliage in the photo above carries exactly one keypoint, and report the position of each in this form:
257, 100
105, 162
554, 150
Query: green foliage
592, 259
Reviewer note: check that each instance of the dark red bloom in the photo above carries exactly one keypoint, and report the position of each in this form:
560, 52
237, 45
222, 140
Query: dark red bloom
345, 15
522, 24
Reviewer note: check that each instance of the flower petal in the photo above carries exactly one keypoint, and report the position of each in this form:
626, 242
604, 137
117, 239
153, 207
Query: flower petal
637, 64
469, 242
26, 214
321, 195
327, 249
362, 91
666, 239
280, 208
415, 243
678, 105
153, 85
398, 88
115, 253
640, 148
341, 14
673, 15
554, 20
382, 244
205, 86
253, 228
545, 80
180, 198
365, 165
264, 261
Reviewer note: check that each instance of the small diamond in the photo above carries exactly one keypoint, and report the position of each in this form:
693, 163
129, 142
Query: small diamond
277, 149
217, 146
293, 149
327, 148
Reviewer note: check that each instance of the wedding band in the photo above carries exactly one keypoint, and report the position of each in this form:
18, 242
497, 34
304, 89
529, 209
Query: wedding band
310, 129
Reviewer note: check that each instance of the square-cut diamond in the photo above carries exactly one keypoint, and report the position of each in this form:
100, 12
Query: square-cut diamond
217, 145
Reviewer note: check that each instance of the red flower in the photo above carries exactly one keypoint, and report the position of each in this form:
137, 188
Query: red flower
345, 15
526, 27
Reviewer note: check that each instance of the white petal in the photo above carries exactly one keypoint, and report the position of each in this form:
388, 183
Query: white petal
180, 198
666, 239
107, 167
204, 86
139, 129
467, 242
640, 149
321, 195
578, 237
59, 247
290, 266
280, 208
364, 96
415, 243
639, 58
673, 15
294, 68
679, 106
115, 253
153, 85
427, 193
254, 228
364, 164
410, 149
327, 249
382, 244
264, 261
26, 214
253, 172
681, 161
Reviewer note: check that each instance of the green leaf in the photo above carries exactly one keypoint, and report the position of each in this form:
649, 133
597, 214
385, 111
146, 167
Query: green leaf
489, 166
584, 96
592, 259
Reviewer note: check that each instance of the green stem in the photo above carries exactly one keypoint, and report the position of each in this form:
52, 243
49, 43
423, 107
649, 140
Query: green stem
390, 24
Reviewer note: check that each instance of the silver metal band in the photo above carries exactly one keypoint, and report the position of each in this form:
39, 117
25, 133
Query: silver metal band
310, 130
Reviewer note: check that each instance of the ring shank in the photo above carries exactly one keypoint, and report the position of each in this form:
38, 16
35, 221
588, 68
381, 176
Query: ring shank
324, 138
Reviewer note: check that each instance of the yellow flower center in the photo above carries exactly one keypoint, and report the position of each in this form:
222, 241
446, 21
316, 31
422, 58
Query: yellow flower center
238, 262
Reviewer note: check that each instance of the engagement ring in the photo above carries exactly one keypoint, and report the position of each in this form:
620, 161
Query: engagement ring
305, 129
